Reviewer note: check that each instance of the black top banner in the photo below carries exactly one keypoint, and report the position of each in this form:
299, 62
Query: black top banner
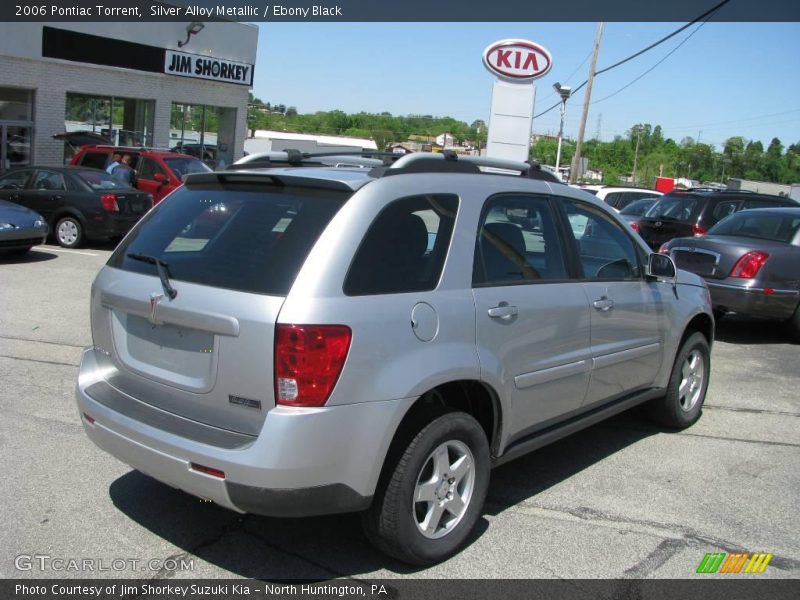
398, 10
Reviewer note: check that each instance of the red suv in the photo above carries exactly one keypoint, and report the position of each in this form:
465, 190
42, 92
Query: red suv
158, 172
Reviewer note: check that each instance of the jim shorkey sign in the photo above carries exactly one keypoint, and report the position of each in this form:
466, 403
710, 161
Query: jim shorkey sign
515, 63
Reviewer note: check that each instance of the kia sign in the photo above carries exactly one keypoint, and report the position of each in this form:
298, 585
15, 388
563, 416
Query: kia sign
517, 60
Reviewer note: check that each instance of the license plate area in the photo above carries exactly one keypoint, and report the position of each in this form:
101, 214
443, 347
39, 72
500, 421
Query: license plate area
177, 356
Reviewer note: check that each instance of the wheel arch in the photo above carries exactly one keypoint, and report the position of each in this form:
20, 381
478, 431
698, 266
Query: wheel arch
471, 396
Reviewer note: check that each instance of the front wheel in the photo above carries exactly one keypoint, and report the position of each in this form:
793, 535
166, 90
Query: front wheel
69, 232
427, 506
686, 392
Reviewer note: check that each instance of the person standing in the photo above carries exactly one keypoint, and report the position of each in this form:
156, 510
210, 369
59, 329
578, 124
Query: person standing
123, 171
115, 158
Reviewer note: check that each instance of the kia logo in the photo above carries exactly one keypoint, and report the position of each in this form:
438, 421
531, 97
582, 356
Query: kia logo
517, 60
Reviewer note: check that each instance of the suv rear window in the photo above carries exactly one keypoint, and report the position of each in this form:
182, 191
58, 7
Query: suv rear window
679, 208
246, 238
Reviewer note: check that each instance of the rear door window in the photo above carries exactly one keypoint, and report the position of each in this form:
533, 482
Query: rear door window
239, 237
49, 180
405, 247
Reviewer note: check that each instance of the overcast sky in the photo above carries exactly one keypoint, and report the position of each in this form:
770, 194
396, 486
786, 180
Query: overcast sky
725, 79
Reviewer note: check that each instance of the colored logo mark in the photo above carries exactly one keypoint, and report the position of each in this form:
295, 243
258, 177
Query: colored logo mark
720, 562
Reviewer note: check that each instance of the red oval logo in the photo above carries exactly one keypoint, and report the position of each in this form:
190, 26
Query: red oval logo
517, 60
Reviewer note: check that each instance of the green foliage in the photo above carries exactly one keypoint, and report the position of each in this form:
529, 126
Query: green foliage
384, 128
657, 154
691, 159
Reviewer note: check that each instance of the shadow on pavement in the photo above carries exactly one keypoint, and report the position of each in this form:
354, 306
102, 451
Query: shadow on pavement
742, 330
32, 256
321, 548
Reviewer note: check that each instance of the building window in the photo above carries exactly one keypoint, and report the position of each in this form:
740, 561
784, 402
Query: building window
120, 121
203, 131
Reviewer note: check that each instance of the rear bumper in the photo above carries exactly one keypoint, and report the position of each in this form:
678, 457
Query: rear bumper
753, 301
111, 226
304, 462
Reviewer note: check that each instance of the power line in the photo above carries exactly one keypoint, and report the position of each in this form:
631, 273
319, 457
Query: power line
686, 39
706, 15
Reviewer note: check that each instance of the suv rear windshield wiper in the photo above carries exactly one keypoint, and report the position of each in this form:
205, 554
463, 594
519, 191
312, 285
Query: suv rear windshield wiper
163, 271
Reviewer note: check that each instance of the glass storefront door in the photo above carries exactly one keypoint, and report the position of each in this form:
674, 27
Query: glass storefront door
15, 146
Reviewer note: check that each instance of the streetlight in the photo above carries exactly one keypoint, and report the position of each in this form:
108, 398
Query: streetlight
564, 91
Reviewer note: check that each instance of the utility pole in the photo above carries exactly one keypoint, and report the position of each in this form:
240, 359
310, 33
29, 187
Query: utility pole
576, 161
636, 154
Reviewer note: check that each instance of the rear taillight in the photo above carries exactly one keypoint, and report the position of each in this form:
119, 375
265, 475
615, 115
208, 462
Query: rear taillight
635, 225
109, 202
664, 249
308, 362
749, 265
698, 231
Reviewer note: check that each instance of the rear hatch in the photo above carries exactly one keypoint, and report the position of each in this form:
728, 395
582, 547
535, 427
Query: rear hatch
230, 252
673, 215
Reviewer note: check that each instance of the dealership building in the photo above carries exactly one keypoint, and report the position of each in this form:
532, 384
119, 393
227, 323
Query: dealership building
161, 85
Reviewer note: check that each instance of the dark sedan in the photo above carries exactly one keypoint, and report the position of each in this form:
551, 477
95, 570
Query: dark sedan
20, 228
77, 202
751, 263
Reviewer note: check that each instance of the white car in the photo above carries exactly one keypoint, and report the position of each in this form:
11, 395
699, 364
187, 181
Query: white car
619, 197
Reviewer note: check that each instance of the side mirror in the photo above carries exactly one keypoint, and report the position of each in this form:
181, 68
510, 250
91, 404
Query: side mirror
661, 267
160, 178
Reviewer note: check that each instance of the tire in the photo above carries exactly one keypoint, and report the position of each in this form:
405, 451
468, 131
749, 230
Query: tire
68, 232
681, 405
429, 531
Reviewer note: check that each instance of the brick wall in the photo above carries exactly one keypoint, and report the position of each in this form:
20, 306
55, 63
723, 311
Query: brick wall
51, 80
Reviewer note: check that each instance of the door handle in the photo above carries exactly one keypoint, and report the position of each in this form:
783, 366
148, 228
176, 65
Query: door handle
56, 198
603, 304
502, 312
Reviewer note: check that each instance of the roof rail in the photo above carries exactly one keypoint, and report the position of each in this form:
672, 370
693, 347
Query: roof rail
450, 162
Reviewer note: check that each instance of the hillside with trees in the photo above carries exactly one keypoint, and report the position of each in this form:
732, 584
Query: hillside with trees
657, 155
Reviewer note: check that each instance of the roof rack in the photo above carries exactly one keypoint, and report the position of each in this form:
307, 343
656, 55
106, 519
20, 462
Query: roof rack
450, 162
295, 158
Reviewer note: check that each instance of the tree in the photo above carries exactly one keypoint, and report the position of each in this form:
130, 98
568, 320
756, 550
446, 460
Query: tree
291, 111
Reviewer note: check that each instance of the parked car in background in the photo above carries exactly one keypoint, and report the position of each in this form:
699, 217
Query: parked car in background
694, 212
618, 197
751, 263
635, 210
375, 340
76, 202
158, 172
205, 152
20, 228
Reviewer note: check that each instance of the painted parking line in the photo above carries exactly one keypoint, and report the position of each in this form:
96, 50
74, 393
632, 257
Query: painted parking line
66, 251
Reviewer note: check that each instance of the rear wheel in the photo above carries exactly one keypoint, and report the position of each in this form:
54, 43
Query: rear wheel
681, 405
426, 507
69, 232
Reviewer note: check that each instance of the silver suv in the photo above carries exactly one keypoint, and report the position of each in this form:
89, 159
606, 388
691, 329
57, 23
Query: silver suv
305, 341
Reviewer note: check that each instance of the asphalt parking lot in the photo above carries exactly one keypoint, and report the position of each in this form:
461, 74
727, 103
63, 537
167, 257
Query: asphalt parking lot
623, 499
